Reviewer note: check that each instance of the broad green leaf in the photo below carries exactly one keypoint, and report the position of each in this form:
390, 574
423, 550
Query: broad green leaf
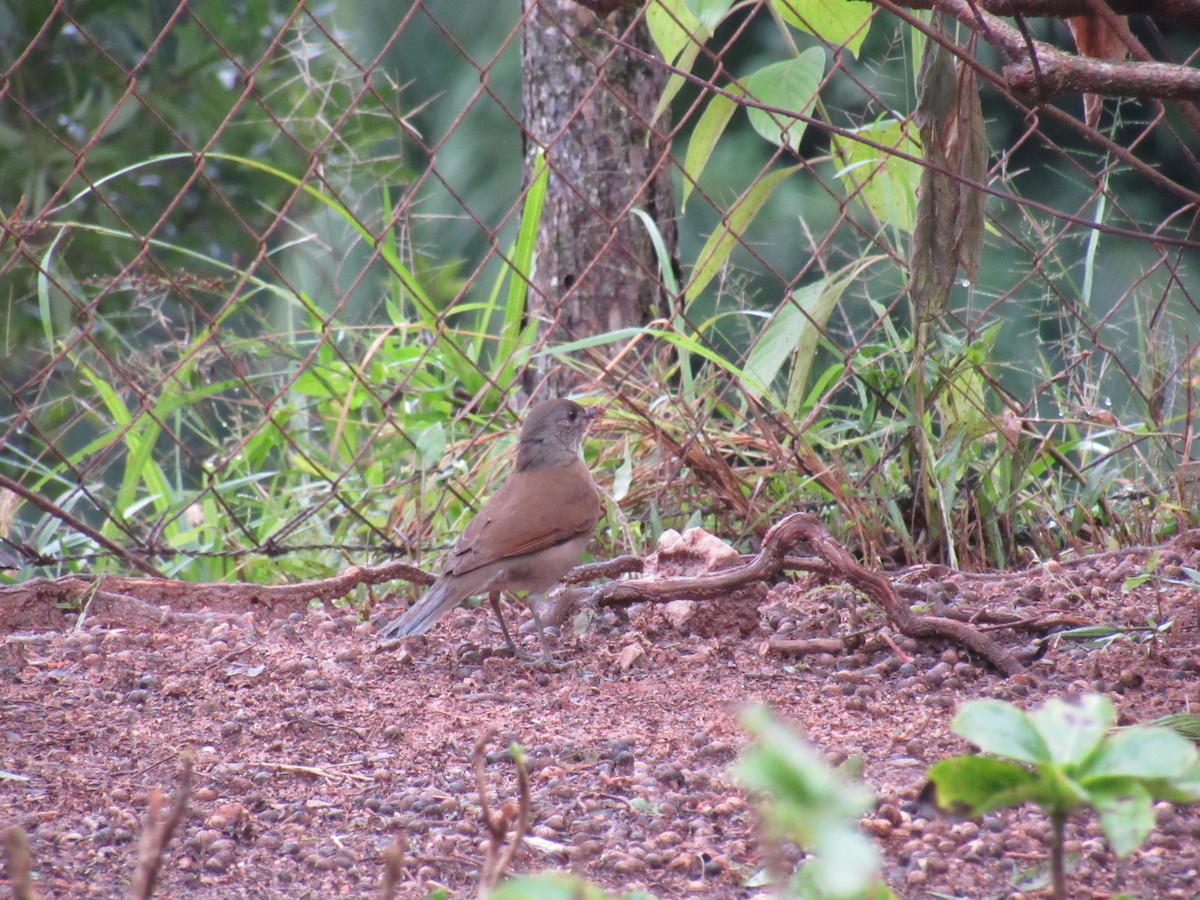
1143, 751
673, 26
810, 334
1126, 815
837, 21
846, 862
708, 130
793, 332
785, 766
721, 242
679, 36
809, 803
790, 85
431, 444
1185, 788
1001, 728
885, 183
981, 784
709, 12
1072, 730
685, 61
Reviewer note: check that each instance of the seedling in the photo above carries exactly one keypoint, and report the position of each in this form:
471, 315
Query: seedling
1062, 758
1100, 637
805, 801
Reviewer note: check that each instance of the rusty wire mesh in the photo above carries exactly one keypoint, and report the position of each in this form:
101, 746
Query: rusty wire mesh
254, 274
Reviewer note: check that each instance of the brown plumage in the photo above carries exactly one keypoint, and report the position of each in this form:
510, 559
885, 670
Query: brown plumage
529, 533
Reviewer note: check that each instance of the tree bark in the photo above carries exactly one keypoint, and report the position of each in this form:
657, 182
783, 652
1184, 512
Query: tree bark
588, 106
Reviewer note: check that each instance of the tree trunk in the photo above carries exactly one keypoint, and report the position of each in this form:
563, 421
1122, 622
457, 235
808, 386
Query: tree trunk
588, 104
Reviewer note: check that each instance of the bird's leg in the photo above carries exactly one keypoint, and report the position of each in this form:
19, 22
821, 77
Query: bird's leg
494, 599
547, 656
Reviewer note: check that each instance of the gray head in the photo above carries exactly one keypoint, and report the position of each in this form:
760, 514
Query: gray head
553, 433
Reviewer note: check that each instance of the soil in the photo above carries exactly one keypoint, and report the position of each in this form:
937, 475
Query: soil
314, 746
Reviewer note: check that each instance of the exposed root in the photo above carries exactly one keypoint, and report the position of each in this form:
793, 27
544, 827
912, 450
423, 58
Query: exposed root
835, 562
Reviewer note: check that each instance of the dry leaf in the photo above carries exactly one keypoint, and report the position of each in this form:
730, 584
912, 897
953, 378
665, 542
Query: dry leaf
1096, 39
948, 231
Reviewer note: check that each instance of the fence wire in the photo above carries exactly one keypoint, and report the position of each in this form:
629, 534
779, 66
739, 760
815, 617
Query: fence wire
279, 280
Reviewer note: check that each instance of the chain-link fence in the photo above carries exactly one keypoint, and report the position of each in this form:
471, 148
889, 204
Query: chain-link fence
278, 279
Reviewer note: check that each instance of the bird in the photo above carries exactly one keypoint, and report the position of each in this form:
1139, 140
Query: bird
528, 534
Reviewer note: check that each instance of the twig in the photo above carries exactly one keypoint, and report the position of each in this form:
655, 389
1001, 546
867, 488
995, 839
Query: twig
803, 647
393, 863
52, 509
313, 770
20, 864
158, 834
499, 854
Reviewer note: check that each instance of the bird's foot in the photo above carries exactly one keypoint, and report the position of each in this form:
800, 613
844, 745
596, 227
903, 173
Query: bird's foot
545, 659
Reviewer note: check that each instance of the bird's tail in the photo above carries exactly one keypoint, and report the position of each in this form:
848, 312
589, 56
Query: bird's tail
426, 612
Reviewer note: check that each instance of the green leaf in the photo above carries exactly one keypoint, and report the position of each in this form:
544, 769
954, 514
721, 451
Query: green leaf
1073, 730
836, 21
709, 12
679, 36
623, 476
981, 784
846, 862
810, 804
708, 130
666, 269
1184, 724
673, 27
1185, 788
1001, 728
522, 256
685, 62
790, 85
1143, 751
721, 242
431, 444
548, 886
886, 184
793, 332
1126, 815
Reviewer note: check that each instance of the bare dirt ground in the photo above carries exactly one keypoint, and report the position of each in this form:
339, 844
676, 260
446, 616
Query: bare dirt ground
314, 747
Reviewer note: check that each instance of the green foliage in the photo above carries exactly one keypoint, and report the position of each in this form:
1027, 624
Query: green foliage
1062, 759
965, 471
807, 802
285, 344
558, 886
873, 174
329, 415
1100, 637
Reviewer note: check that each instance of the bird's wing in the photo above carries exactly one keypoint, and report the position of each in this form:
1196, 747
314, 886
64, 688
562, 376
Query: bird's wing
504, 529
